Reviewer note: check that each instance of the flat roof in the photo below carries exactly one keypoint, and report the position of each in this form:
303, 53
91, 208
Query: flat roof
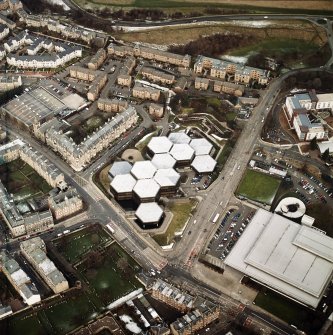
182, 152
323, 146
201, 146
146, 188
204, 164
292, 259
123, 183
120, 168
179, 138
291, 207
149, 212
167, 177
163, 161
143, 170
159, 145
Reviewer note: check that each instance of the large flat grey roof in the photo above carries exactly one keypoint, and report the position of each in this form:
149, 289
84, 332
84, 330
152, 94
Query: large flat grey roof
120, 168
143, 170
159, 145
123, 183
179, 138
201, 146
167, 177
163, 161
146, 188
182, 152
292, 259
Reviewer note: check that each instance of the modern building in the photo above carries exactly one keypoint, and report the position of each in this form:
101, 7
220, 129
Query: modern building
146, 190
179, 138
122, 186
19, 279
168, 179
119, 168
201, 146
97, 60
182, 153
325, 145
149, 214
203, 164
292, 259
34, 250
159, 145
291, 207
143, 170
163, 161
149, 53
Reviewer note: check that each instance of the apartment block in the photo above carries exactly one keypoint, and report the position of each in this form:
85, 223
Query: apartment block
112, 105
124, 80
171, 295
34, 250
96, 86
19, 279
9, 23
82, 73
228, 88
97, 60
8, 83
201, 83
145, 93
156, 110
157, 76
10, 151
149, 53
65, 203
4, 31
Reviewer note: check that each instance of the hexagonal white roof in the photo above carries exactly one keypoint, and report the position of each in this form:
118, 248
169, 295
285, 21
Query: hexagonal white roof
123, 183
159, 145
182, 152
204, 164
167, 177
179, 138
120, 168
163, 161
201, 146
146, 188
143, 170
149, 212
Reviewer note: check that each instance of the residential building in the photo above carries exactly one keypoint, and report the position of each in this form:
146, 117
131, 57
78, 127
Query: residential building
146, 93
171, 295
228, 88
201, 83
9, 23
3, 4
124, 76
124, 80
97, 60
156, 110
157, 75
8, 83
34, 250
4, 31
10, 151
96, 86
112, 105
65, 203
149, 53
14, 5
5, 310
19, 279
83, 73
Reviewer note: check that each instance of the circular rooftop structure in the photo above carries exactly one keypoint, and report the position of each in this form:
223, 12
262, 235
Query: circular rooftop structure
149, 213
159, 145
291, 207
203, 164
179, 138
163, 161
201, 146
167, 177
132, 155
123, 183
119, 168
182, 152
143, 170
146, 189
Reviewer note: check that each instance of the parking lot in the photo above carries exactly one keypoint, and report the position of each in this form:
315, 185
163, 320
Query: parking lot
230, 227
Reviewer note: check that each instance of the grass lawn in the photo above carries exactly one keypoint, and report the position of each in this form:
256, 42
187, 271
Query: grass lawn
181, 212
289, 311
22, 325
258, 186
223, 157
145, 140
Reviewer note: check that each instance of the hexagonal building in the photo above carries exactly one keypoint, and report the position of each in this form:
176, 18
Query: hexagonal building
143, 170
149, 215
118, 168
204, 164
168, 179
159, 145
146, 190
122, 186
182, 153
163, 161
179, 138
201, 146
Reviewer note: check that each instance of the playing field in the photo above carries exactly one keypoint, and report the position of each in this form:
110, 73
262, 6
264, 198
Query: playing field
258, 186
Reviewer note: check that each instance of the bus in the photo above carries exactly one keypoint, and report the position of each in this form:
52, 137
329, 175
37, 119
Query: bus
216, 217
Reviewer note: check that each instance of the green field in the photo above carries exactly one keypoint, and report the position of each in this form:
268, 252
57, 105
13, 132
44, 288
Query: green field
22, 181
258, 187
289, 311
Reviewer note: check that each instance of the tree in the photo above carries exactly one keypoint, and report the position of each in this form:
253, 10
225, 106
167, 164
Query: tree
326, 155
313, 144
122, 264
316, 83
